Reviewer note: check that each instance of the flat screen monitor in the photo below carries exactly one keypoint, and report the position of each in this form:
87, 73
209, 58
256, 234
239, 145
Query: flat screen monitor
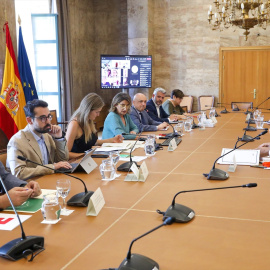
125, 71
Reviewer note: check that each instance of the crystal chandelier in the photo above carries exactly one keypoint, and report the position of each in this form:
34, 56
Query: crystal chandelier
244, 14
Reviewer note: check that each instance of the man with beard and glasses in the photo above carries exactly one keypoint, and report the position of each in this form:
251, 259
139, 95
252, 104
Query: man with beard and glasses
39, 141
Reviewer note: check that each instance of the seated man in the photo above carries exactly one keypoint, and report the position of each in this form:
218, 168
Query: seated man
154, 107
19, 191
141, 118
39, 141
264, 149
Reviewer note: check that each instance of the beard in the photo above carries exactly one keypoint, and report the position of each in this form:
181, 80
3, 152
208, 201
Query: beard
46, 129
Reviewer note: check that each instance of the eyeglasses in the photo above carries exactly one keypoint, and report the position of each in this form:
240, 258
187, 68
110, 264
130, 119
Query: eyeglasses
44, 118
124, 106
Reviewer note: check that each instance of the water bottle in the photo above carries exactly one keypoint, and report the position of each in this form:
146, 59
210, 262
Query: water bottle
149, 146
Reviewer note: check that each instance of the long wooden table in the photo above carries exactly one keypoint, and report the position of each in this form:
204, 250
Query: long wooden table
230, 230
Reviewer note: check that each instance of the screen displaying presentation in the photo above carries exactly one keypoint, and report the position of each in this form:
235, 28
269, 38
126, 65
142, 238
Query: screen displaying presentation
126, 71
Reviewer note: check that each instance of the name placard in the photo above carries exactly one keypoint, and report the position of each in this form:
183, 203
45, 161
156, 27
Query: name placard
88, 164
172, 145
96, 203
139, 175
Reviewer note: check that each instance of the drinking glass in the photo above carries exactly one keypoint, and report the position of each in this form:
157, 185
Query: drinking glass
114, 156
212, 113
63, 187
256, 114
107, 169
50, 208
188, 124
179, 128
149, 146
259, 122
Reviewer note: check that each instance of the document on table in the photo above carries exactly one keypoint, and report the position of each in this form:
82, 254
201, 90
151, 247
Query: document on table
242, 157
10, 221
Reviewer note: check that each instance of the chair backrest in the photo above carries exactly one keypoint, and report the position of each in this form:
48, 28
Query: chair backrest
242, 105
55, 122
205, 102
187, 101
3, 140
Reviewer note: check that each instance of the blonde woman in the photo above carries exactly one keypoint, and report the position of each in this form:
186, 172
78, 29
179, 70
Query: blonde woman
81, 132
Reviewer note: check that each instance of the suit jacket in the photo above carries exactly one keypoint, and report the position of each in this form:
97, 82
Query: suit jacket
152, 111
146, 124
24, 144
9, 180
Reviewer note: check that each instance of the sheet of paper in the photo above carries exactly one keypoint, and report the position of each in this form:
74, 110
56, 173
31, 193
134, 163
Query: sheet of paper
45, 192
10, 221
135, 158
242, 157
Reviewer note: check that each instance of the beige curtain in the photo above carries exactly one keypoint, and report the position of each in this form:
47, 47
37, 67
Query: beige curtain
65, 59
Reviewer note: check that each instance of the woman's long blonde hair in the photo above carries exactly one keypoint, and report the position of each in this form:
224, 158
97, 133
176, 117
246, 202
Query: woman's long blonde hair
89, 103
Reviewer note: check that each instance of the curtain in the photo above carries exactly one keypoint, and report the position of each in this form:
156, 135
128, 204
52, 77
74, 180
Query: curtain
65, 59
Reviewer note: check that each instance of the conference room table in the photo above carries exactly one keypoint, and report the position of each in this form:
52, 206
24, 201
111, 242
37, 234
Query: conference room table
230, 230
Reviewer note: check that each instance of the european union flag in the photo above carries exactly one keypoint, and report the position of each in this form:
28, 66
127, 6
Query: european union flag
27, 80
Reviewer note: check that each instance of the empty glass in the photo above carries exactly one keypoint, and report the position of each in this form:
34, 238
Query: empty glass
259, 122
114, 156
212, 113
63, 187
107, 169
50, 208
188, 124
256, 114
179, 128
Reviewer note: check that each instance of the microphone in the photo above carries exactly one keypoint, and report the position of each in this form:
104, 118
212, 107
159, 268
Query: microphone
216, 114
125, 167
183, 214
249, 128
235, 108
260, 104
225, 110
140, 262
80, 199
21, 247
217, 174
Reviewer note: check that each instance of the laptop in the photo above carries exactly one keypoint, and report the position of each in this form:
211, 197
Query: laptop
86, 164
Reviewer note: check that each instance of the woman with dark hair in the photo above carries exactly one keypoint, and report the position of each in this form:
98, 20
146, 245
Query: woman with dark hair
172, 105
118, 120
81, 132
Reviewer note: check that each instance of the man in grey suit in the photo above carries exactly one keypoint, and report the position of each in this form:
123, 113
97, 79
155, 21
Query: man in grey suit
141, 118
39, 141
18, 190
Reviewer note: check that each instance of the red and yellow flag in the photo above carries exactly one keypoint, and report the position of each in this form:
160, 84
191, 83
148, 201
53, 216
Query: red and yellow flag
12, 99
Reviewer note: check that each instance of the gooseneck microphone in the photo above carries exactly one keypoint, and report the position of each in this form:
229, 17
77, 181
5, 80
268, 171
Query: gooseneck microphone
183, 214
140, 262
125, 167
223, 105
249, 128
217, 174
21, 247
235, 108
256, 108
80, 199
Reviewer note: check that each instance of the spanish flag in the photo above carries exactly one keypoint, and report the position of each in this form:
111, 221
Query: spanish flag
12, 100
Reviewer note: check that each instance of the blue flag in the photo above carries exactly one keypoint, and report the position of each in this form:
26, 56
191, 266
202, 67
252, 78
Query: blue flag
27, 80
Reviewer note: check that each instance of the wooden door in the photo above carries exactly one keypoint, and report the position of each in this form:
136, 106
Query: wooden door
245, 75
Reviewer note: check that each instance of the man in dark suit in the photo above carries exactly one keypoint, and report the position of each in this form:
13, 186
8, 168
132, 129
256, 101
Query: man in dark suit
154, 107
19, 191
140, 117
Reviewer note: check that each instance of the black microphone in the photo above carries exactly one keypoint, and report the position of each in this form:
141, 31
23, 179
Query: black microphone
249, 128
140, 262
21, 247
225, 109
216, 114
235, 108
125, 167
217, 174
260, 104
183, 214
80, 199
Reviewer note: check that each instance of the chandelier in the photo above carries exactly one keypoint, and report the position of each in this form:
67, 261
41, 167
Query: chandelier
244, 14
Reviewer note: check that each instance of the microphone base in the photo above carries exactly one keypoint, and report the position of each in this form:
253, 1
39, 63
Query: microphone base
125, 167
235, 110
250, 129
247, 138
137, 262
181, 213
224, 111
194, 126
80, 199
217, 174
19, 248
251, 121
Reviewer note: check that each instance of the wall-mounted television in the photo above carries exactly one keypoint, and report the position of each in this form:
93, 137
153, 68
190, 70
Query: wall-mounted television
125, 71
